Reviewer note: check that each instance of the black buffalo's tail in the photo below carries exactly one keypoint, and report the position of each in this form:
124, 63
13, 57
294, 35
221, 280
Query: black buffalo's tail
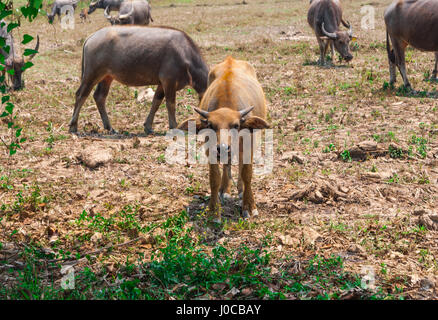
390, 51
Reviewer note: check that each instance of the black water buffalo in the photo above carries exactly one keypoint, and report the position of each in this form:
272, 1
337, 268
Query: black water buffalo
325, 16
57, 7
140, 56
113, 5
131, 12
415, 23
13, 61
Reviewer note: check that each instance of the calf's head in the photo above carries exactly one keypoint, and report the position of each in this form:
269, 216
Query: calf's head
225, 119
341, 41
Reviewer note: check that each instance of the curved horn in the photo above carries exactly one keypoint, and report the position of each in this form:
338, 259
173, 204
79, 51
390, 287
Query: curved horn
93, 3
36, 49
245, 111
106, 14
127, 15
348, 26
328, 34
202, 113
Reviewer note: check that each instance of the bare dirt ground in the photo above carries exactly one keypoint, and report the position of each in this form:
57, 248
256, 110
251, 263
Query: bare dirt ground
375, 206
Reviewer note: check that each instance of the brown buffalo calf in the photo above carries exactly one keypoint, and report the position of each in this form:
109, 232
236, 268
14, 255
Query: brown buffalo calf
234, 100
84, 15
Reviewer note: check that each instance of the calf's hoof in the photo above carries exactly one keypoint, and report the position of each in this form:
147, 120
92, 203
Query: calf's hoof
224, 197
246, 215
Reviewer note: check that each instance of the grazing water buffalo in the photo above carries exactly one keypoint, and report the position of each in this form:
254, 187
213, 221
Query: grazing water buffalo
234, 100
113, 5
412, 23
57, 6
131, 12
12, 60
140, 56
325, 16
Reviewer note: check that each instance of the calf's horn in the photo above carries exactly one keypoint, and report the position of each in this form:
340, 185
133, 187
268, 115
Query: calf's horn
246, 111
328, 34
127, 15
202, 113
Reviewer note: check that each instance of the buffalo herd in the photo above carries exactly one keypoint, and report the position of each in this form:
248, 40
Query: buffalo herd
230, 96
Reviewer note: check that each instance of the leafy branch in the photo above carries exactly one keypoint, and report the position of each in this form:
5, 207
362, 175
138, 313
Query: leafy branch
30, 12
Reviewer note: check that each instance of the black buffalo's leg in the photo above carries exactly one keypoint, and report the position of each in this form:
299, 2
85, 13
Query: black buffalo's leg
100, 97
156, 102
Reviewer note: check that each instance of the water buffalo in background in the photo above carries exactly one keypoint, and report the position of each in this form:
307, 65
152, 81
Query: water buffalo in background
412, 23
140, 56
57, 6
12, 60
84, 15
234, 100
131, 12
325, 17
113, 5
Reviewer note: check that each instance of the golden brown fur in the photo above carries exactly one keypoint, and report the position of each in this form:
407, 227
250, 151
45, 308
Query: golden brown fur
233, 90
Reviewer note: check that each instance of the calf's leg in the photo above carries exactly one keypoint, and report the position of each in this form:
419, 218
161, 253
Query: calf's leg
248, 205
225, 188
215, 180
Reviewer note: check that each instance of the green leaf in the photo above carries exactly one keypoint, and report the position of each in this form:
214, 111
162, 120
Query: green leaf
27, 65
12, 26
29, 52
4, 14
26, 39
9, 107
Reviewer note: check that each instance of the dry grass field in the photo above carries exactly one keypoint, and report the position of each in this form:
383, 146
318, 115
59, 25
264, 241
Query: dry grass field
353, 190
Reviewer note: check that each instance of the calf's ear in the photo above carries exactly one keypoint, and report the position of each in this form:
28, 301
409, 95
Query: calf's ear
199, 124
254, 123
